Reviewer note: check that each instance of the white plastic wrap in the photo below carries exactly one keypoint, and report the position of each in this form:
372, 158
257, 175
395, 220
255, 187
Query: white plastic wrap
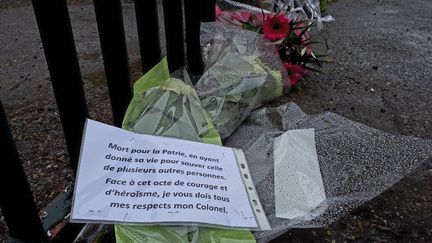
309, 9
357, 162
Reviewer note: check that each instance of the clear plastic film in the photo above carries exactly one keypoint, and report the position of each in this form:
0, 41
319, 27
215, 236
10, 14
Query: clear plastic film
242, 73
166, 106
96, 233
356, 163
310, 9
307, 9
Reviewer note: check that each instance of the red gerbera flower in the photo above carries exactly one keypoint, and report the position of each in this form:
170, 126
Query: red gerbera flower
295, 78
218, 11
295, 73
276, 27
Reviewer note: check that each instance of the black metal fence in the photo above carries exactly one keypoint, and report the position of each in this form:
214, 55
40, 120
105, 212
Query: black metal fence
55, 29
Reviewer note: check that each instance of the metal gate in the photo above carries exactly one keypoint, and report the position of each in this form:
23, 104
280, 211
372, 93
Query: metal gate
182, 20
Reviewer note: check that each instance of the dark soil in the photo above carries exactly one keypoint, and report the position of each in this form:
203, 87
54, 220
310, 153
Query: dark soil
380, 75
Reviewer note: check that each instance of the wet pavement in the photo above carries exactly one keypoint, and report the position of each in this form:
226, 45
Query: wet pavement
24, 73
380, 75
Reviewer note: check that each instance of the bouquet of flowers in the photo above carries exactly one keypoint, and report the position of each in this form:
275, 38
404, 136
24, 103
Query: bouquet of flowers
166, 106
251, 57
242, 74
308, 9
291, 36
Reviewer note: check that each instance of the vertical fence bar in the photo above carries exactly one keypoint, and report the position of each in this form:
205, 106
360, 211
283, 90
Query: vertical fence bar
148, 33
16, 200
193, 24
173, 15
208, 13
56, 34
112, 37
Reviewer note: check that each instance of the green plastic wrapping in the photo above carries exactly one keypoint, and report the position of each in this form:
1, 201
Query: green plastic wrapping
137, 233
212, 235
180, 234
166, 106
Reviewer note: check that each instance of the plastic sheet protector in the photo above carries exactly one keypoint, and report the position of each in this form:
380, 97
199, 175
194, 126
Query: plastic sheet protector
299, 188
134, 178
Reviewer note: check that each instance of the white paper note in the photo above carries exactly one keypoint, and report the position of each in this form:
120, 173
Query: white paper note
135, 178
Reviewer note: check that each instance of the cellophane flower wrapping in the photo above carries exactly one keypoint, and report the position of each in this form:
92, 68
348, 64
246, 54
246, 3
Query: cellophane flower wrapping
306, 9
356, 162
166, 106
243, 71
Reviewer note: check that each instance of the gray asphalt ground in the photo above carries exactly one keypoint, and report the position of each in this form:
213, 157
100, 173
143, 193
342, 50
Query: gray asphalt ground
380, 75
